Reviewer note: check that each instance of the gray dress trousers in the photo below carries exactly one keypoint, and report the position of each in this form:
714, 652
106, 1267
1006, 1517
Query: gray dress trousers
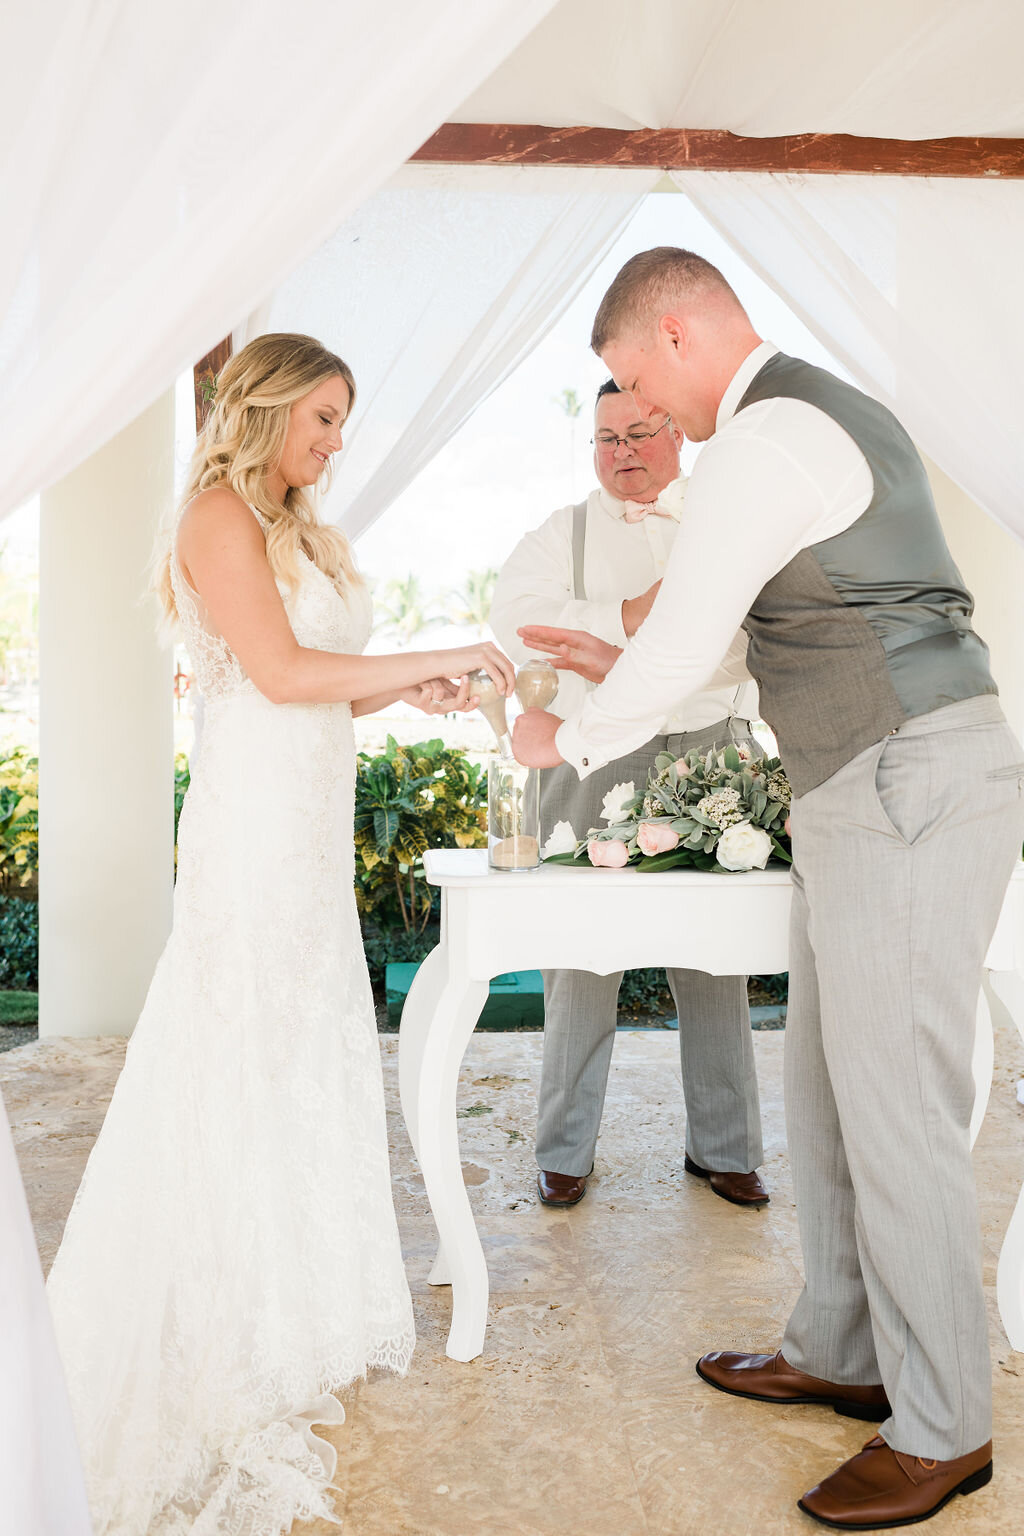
901, 860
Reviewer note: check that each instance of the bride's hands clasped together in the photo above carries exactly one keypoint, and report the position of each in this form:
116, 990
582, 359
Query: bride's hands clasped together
442, 696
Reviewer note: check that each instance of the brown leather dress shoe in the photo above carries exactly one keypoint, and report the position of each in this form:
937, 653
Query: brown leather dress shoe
880, 1487
740, 1188
771, 1379
561, 1188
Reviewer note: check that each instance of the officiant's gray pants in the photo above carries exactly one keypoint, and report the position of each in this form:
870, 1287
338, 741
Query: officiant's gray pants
723, 1112
901, 862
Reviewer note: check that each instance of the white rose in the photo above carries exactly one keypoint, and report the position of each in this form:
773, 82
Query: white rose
562, 840
743, 847
613, 808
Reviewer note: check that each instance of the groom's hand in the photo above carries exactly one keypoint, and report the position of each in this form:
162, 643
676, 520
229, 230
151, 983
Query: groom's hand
573, 650
533, 739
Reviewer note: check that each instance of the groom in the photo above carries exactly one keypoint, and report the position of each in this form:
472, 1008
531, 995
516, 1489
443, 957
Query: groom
809, 521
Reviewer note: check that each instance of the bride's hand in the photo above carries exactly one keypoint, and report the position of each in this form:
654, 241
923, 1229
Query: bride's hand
573, 650
471, 658
439, 696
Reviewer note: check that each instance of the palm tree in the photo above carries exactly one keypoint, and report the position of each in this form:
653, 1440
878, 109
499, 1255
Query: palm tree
473, 602
571, 403
405, 607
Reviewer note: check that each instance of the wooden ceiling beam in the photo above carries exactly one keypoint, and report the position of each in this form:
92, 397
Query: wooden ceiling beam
712, 150
204, 379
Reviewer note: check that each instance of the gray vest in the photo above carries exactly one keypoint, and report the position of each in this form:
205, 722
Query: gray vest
867, 629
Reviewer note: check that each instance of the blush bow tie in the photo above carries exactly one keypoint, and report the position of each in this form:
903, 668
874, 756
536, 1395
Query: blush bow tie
636, 511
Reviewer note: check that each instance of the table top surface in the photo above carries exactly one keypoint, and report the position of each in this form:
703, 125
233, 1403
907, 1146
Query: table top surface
469, 867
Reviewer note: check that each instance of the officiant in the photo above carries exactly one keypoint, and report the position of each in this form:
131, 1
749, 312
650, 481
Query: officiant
597, 566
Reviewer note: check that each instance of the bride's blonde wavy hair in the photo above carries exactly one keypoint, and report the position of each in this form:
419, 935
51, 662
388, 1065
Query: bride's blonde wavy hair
241, 445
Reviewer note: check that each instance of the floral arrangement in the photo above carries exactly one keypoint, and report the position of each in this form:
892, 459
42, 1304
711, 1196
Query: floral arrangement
724, 809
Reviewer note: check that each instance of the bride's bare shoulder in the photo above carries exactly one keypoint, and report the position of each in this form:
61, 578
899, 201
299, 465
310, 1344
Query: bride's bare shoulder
216, 514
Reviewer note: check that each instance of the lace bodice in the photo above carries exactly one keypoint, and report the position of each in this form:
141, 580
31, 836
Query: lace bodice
320, 616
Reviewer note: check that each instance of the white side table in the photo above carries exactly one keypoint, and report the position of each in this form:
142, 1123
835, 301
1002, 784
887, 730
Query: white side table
603, 921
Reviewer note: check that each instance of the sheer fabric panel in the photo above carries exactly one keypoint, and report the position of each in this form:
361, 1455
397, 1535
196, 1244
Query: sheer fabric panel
434, 291
163, 167
913, 285
40, 1475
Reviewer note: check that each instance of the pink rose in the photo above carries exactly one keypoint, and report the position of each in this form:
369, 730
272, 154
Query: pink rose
785, 827
682, 768
607, 853
656, 839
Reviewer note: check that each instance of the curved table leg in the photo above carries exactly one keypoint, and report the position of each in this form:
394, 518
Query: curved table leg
1008, 988
438, 1019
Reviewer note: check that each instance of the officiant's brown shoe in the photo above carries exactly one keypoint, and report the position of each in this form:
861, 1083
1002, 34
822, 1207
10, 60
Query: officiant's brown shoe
561, 1188
739, 1188
879, 1487
771, 1379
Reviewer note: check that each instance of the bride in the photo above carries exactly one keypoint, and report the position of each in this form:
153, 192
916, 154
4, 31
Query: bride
232, 1257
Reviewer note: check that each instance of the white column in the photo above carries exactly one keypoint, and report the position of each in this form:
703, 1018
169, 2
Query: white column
106, 736
992, 563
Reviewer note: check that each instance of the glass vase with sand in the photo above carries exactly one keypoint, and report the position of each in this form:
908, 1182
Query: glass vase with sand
513, 815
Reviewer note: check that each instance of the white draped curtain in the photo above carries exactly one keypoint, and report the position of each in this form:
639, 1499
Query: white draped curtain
162, 167
914, 285
434, 291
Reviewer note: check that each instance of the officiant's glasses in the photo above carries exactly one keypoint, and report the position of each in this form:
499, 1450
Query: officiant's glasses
631, 439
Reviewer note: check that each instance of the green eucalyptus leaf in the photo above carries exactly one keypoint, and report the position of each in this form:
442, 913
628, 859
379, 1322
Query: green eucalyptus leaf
674, 858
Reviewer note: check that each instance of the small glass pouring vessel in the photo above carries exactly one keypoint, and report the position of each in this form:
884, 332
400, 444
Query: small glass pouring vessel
491, 705
536, 684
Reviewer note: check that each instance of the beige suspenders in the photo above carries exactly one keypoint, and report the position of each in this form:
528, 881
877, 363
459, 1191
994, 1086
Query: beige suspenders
579, 541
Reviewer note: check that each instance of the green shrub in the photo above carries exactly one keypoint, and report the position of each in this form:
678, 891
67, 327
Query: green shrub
409, 799
182, 778
19, 816
777, 987
19, 943
390, 944
645, 991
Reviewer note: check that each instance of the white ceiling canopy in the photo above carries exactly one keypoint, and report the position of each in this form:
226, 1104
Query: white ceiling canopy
903, 69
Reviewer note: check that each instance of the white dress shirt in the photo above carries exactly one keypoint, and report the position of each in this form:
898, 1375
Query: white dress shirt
621, 560
777, 478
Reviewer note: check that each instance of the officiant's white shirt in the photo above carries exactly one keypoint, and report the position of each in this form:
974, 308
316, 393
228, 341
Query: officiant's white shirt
621, 560
777, 478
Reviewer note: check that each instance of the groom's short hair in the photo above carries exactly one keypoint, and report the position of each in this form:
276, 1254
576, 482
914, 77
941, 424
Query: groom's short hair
609, 387
649, 286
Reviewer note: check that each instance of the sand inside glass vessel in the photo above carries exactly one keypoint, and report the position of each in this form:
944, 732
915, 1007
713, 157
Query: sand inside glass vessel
492, 706
513, 815
536, 684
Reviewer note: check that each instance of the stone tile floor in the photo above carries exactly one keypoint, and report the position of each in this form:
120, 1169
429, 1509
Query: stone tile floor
583, 1417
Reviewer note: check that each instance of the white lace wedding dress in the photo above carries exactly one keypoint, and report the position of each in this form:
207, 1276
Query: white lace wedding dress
232, 1256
